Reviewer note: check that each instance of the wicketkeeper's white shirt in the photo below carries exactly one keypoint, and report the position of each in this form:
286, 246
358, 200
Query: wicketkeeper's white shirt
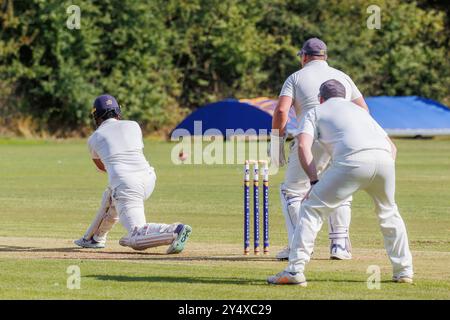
118, 144
344, 128
303, 85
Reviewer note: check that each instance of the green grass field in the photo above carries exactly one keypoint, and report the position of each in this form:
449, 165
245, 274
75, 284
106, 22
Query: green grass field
50, 191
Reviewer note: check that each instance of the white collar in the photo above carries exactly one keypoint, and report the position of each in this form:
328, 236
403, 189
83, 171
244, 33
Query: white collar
108, 121
313, 62
336, 99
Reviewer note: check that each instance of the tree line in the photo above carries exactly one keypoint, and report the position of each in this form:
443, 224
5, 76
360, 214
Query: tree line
163, 58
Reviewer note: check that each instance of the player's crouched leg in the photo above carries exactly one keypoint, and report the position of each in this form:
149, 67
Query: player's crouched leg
154, 235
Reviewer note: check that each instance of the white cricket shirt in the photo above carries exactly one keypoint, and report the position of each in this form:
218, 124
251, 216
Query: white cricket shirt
303, 85
118, 144
344, 128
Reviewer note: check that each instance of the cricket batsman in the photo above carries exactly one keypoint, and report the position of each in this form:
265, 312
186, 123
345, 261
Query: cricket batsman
300, 90
363, 158
116, 147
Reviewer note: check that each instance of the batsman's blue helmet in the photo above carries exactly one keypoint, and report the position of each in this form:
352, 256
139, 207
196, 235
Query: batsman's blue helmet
103, 104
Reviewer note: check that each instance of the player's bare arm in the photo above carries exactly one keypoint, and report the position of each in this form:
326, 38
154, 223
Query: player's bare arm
305, 142
361, 102
99, 164
281, 114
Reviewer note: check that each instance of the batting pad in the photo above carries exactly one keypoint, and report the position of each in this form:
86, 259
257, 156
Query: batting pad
149, 236
105, 219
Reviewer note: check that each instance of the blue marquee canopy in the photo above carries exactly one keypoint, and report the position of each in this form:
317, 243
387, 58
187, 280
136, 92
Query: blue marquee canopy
400, 116
410, 116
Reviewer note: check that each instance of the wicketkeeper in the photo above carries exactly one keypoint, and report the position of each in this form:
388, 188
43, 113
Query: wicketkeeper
363, 158
116, 148
300, 90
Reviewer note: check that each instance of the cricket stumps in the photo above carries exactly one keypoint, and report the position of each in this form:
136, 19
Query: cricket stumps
256, 208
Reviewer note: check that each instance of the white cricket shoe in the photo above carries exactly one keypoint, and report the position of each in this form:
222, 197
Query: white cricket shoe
283, 254
285, 277
339, 253
91, 244
183, 231
403, 279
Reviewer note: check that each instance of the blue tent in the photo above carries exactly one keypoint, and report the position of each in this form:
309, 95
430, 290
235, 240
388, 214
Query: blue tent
400, 116
222, 116
410, 116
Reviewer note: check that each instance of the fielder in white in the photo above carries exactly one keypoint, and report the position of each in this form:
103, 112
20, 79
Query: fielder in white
363, 158
116, 148
301, 90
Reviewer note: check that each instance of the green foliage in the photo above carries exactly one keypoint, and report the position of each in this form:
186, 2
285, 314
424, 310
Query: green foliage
57, 72
164, 57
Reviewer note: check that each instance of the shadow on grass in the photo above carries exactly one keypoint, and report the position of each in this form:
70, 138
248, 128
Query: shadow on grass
177, 279
215, 280
313, 280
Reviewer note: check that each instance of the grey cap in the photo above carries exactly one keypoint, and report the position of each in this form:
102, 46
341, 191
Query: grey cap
313, 47
332, 89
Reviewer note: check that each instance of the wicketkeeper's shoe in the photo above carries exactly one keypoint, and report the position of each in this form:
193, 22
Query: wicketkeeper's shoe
285, 277
283, 254
183, 232
91, 244
339, 253
403, 279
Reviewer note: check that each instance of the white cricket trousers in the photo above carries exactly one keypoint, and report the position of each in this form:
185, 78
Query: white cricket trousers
372, 171
296, 185
129, 196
